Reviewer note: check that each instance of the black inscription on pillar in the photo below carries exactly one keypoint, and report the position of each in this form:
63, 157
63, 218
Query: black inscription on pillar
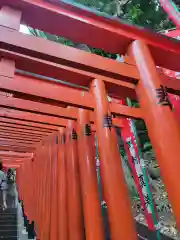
147, 200
141, 180
87, 130
163, 98
108, 121
57, 140
135, 160
74, 134
64, 138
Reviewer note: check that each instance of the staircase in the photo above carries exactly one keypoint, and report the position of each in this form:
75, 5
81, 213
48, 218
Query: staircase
8, 219
8, 224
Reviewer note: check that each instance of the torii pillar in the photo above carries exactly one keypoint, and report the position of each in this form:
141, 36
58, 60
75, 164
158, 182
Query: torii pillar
115, 190
162, 125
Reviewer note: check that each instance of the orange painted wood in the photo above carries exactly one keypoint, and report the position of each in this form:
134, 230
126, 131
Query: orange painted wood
58, 53
54, 196
15, 166
88, 23
122, 110
129, 60
18, 161
16, 148
118, 122
91, 203
60, 93
40, 200
39, 88
7, 132
24, 129
162, 125
62, 188
40, 176
31, 196
38, 196
48, 187
13, 143
172, 84
28, 186
36, 107
44, 229
22, 132
7, 67
7, 147
16, 142
75, 221
10, 18
4, 153
14, 160
41, 189
29, 125
14, 132
114, 186
35, 188
47, 196
116, 109
69, 74
28, 116
114, 87
18, 138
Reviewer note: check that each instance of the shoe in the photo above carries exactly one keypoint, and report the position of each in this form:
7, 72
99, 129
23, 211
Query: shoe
4, 207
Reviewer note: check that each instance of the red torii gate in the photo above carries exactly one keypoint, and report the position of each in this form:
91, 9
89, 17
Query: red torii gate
137, 78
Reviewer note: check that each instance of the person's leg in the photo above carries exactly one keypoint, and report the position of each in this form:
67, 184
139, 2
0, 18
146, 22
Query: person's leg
4, 193
14, 195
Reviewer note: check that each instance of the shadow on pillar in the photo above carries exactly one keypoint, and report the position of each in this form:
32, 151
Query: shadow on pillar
30, 226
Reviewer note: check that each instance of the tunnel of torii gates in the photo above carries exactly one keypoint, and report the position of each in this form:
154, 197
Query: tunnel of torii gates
45, 126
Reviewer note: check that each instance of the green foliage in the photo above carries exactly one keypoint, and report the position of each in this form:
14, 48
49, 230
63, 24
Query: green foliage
146, 13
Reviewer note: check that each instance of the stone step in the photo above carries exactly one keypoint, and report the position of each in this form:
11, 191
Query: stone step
12, 209
8, 211
8, 221
8, 227
9, 238
9, 233
8, 216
